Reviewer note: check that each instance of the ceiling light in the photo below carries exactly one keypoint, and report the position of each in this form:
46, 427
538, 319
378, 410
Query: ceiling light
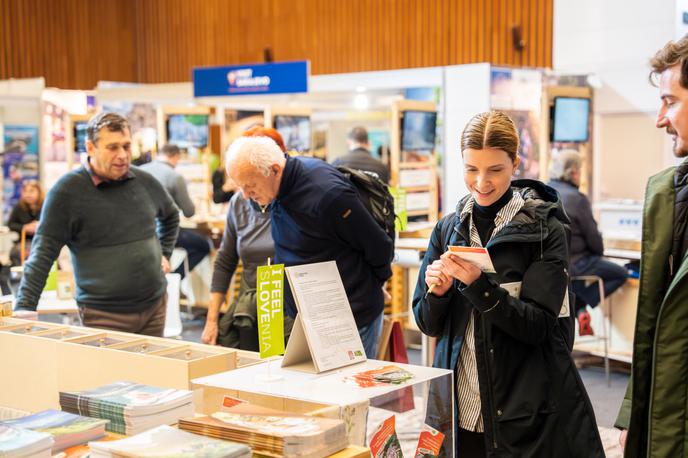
361, 102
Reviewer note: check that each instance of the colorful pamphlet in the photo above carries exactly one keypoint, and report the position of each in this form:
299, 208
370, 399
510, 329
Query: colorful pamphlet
477, 255
130, 407
386, 375
23, 443
67, 429
429, 443
165, 441
385, 443
231, 401
272, 432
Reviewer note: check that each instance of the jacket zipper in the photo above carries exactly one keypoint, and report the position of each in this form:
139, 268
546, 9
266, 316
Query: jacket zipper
490, 400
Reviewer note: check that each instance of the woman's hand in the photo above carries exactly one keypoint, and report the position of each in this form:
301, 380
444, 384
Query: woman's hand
30, 228
437, 280
455, 267
165, 265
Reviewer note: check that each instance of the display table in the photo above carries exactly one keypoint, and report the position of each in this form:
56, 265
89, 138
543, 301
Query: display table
352, 451
39, 359
428, 394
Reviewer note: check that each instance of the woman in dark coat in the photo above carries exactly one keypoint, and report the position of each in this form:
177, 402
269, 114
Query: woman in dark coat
517, 391
25, 215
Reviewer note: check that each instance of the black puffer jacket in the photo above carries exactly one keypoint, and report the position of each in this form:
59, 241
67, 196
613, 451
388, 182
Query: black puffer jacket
534, 403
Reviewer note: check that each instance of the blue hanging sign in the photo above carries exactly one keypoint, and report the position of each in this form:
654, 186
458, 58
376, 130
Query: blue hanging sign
273, 78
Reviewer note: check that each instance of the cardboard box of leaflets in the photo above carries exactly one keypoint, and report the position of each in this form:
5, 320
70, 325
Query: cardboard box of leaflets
45, 358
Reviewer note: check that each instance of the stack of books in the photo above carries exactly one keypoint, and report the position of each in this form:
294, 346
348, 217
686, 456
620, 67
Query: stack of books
131, 407
67, 429
271, 432
165, 441
24, 443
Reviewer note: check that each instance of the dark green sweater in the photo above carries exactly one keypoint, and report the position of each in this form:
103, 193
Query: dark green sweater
116, 233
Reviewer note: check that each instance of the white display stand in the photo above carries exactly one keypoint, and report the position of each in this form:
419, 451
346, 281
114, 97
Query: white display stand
331, 395
324, 336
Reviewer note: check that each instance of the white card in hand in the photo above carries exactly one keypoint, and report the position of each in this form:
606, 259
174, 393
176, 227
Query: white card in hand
476, 255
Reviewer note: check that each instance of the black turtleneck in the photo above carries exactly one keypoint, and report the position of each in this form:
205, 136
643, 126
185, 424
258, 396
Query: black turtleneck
483, 217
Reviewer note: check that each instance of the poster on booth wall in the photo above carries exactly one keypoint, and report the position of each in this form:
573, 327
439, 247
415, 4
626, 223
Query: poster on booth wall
19, 162
239, 121
528, 127
518, 94
53, 145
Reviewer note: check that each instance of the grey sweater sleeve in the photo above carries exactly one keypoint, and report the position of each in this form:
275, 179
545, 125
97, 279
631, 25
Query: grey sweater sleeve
167, 218
227, 256
52, 234
181, 197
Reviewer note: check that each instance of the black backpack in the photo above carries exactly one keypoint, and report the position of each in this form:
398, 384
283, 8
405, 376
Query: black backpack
375, 196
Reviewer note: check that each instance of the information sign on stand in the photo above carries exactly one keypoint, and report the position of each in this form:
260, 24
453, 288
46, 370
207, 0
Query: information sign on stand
270, 309
401, 221
324, 336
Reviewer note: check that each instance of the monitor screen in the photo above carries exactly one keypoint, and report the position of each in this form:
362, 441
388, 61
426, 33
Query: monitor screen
185, 130
570, 119
295, 131
418, 130
80, 136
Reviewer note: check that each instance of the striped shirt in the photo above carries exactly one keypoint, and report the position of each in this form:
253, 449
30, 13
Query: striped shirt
467, 385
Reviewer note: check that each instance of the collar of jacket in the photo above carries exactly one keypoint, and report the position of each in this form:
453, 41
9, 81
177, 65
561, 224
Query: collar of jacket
361, 151
530, 223
289, 175
568, 183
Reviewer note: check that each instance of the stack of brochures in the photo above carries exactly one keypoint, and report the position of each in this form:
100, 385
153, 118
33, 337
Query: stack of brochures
67, 429
24, 443
271, 432
131, 407
165, 441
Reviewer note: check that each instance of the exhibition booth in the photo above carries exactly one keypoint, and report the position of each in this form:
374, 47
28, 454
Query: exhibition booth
414, 118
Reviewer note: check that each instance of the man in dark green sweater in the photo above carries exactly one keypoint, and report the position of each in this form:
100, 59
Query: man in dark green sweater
119, 224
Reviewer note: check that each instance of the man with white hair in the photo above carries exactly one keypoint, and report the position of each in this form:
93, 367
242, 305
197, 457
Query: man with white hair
586, 247
317, 216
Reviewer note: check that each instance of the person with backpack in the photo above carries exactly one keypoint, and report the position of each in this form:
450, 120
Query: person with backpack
247, 239
517, 390
318, 215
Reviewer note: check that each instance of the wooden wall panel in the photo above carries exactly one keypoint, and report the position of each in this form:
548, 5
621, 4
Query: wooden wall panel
72, 43
336, 36
75, 43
